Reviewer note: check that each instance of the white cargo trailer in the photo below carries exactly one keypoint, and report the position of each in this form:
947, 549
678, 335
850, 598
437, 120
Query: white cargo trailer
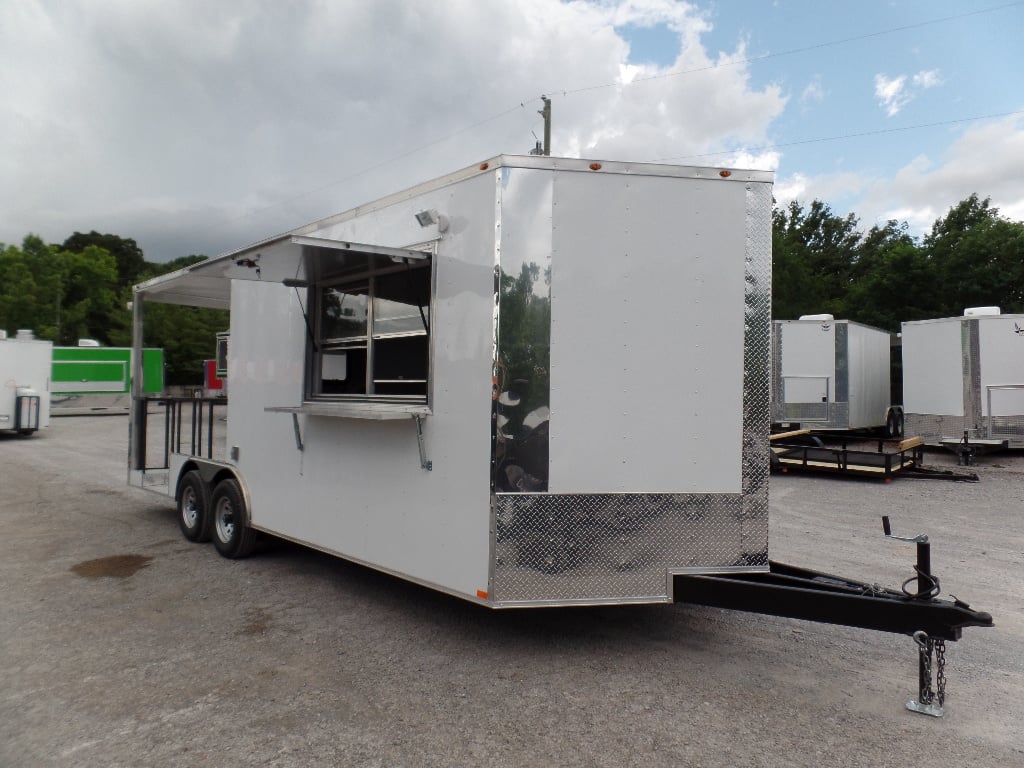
965, 375
832, 374
24, 382
535, 381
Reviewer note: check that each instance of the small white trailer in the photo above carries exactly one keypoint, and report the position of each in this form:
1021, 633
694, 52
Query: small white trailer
24, 382
536, 381
832, 375
965, 376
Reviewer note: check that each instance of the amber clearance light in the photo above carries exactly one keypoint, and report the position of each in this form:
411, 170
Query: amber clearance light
725, 174
595, 166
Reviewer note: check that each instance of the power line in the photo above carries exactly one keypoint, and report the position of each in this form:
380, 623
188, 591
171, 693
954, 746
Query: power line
843, 136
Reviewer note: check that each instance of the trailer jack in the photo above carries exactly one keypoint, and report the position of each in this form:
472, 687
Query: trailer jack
800, 593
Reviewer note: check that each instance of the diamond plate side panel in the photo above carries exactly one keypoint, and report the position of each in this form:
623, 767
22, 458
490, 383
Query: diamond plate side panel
971, 349
1006, 428
568, 548
805, 412
932, 427
778, 390
757, 367
842, 393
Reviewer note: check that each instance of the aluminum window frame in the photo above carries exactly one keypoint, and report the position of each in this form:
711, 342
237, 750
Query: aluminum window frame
317, 345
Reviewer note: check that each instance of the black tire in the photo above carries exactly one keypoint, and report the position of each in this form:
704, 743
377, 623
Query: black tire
232, 535
890, 426
899, 427
194, 517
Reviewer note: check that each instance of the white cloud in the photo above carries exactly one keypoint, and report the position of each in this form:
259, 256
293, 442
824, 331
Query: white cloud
225, 125
825, 187
927, 79
890, 92
813, 93
986, 159
893, 93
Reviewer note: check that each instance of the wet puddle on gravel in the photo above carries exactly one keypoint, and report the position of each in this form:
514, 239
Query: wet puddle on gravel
115, 566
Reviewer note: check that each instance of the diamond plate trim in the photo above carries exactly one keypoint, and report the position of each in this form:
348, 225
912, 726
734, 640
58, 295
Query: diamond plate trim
932, 427
757, 367
570, 548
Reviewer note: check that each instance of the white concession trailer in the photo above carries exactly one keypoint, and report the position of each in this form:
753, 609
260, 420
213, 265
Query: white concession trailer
24, 382
535, 381
965, 375
832, 374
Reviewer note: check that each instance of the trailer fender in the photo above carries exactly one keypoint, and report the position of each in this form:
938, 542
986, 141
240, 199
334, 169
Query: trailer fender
894, 422
212, 472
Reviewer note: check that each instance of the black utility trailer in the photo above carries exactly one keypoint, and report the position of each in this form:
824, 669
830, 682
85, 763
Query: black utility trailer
805, 450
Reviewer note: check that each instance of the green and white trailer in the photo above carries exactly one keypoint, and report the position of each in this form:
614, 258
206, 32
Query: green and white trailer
93, 378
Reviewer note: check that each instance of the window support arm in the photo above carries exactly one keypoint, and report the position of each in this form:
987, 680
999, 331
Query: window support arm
425, 463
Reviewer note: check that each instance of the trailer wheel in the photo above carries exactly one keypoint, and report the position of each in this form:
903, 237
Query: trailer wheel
890, 425
193, 507
232, 535
899, 426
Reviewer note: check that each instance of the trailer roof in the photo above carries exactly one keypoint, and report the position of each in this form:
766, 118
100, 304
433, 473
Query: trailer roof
208, 283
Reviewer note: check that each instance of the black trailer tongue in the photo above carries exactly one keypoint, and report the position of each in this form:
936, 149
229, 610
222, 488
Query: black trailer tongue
800, 593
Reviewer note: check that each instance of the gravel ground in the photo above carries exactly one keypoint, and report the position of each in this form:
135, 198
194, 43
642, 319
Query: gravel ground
164, 654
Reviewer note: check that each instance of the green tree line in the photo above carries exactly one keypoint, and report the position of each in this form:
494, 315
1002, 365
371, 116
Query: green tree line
81, 289
822, 262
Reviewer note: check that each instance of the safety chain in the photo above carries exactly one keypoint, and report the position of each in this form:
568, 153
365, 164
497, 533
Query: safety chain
940, 670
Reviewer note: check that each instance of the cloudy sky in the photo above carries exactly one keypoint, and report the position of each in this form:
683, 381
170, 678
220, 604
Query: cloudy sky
195, 126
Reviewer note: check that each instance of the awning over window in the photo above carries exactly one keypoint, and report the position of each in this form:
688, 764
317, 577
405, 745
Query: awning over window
282, 260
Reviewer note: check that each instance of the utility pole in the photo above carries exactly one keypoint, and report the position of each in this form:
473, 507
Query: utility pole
546, 114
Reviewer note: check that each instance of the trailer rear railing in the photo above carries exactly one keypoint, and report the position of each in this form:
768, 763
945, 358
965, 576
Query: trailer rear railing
189, 427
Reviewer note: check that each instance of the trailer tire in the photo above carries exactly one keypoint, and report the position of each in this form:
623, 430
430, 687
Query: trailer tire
232, 535
890, 425
899, 426
194, 517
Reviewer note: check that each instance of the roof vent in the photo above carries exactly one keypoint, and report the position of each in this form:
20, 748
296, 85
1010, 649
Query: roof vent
818, 318
3, 334
24, 334
981, 311
88, 343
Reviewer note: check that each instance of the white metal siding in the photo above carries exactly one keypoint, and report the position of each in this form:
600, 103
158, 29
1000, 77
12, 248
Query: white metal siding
358, 489
933, 367
868, 352
629, 411
808, 359
1001, 354
24, 364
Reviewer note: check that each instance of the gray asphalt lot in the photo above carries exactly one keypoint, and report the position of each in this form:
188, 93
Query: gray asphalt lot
124, 645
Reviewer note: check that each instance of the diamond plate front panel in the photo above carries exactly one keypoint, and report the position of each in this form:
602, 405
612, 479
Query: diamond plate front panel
757, 371
1006, 428
933, 427
805, 412
577, 548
